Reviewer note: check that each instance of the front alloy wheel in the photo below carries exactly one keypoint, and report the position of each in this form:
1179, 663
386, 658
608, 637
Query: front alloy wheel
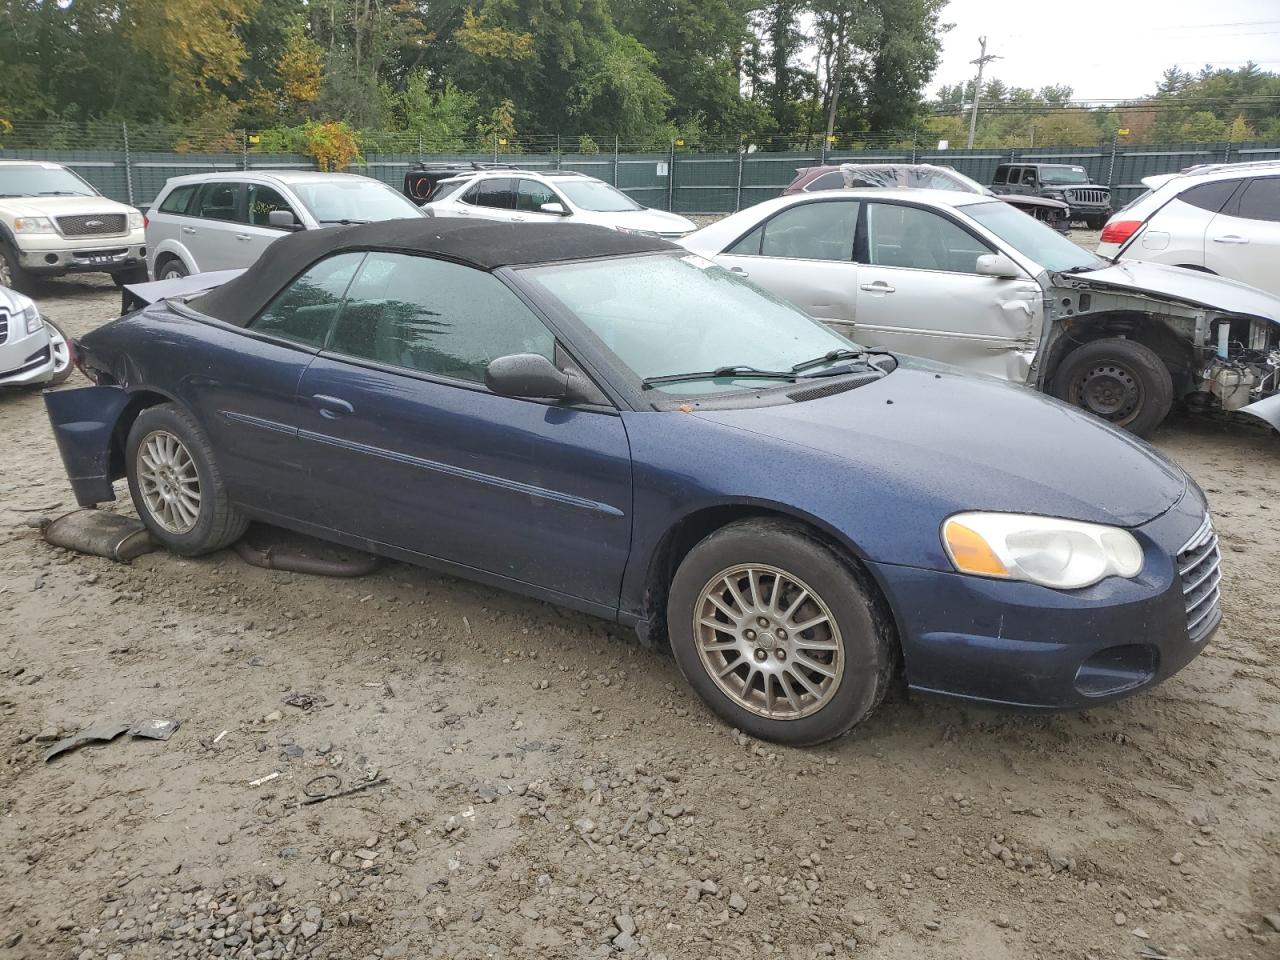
769, 641
780, 632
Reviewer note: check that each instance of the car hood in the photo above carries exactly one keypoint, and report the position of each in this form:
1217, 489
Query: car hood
1026, 200
12, 302
655, 221
1162, 282
958, 442
61, 206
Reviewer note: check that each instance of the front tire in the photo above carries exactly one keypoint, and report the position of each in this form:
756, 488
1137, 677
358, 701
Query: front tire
780, 634
60, 347
175, 483
1121, 381
12, 274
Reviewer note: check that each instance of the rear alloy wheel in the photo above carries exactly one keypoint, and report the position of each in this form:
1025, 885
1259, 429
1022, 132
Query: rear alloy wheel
60, 347
1121, 381
779, 633
175, 483
171, 269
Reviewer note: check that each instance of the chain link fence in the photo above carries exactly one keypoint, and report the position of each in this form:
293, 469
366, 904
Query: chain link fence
706, 176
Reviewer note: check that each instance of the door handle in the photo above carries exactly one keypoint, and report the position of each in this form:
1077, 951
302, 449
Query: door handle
188, 229
1231, 238
739, 271
331, 408
243, 236
519, 219
878, 287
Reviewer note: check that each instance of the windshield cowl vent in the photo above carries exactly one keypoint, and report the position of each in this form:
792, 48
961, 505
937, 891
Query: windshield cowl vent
831, 389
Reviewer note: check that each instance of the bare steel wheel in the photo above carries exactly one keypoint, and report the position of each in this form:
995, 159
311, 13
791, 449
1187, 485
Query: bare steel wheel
769, 641
781, 632
1109, 391
1121, 381
168, 481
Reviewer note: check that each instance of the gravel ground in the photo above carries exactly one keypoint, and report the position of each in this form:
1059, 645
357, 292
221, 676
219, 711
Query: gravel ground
552, 790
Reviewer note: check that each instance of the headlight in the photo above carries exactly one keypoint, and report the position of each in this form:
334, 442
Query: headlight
135, 221
31, 318
33, 225
1063, 554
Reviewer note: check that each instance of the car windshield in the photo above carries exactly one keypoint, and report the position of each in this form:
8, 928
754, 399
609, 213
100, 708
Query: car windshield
1063, 175
353, 201
41, 180
596, 196
1031, 238
673, 314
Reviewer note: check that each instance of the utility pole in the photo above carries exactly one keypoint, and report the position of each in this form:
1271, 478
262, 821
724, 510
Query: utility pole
983, 58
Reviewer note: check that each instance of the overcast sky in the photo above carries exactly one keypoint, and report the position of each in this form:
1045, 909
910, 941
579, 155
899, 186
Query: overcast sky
1106, 49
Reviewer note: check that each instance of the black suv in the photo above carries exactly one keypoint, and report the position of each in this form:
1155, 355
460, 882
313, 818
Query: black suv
1089, 201
421, 180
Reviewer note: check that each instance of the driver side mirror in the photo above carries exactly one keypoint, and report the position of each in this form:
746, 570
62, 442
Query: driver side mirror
283, 220
531, 376
554, 207
997, 265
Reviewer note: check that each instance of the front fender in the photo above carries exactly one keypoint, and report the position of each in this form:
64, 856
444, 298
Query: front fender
1267, 410
84, 421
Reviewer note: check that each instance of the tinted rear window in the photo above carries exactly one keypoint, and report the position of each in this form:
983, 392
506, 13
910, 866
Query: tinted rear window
178, 199
1210, 196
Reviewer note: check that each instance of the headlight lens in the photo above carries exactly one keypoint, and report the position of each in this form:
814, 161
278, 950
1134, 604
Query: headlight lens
32, 225
1063, 554
31, 318
135, 221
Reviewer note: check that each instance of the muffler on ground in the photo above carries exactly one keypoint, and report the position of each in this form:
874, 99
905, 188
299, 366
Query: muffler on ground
101, 534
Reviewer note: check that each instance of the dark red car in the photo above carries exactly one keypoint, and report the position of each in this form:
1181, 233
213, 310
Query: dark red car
922, 176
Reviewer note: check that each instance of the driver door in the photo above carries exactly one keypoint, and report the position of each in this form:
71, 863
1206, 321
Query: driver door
919, 293
404, 445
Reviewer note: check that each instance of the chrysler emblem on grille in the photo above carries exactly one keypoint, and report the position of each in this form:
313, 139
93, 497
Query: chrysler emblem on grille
93, 223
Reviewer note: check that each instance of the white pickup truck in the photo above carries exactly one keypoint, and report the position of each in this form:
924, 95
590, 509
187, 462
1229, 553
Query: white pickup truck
52, 222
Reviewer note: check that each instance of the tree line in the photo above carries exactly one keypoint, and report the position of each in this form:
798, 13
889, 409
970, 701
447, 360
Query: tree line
328, 77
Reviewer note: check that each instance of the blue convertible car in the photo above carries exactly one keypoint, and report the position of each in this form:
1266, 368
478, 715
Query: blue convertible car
607, 422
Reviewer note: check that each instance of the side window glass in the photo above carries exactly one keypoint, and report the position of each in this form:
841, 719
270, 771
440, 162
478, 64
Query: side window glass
1002, 175
532, 195
749, 246
901, 236
179, 199
1210, 196
435, 317
812, 231
1029, 177
217, 201
828, 181
1261, 199
304, 311
497, 193
472, 195
262, 201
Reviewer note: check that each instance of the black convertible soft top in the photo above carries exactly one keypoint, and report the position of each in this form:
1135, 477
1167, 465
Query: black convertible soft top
484, 244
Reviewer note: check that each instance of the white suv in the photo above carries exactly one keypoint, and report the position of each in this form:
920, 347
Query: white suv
519, 196
1219, 218
223, 221
53, 223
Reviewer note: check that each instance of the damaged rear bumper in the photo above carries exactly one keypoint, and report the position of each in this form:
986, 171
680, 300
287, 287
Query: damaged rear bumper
84, 422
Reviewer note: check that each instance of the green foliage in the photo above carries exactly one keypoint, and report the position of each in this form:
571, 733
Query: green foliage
441, 119
588, 146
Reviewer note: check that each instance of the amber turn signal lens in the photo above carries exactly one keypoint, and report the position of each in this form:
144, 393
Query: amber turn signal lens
970, 552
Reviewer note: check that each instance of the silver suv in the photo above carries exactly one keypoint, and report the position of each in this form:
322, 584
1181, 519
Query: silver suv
223, 221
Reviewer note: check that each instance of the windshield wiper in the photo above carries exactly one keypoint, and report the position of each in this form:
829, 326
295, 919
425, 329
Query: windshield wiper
345, 222
840, 353
15, 194
739, 372
61, 193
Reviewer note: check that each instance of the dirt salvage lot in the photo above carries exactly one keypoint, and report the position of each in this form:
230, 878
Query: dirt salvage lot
554, 791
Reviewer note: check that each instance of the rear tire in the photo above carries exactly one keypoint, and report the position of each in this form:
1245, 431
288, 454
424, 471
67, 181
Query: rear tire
171, 268
1121, 381
175, 483
735, 616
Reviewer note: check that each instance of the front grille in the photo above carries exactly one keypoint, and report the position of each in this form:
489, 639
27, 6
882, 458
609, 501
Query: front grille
1199, 563
1089, 195
93, 225
4, 326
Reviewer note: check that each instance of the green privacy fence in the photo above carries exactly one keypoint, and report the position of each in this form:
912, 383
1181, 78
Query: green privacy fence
686, 181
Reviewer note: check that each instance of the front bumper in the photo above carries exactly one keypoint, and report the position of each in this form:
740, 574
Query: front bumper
104, 255
27, 360
1019, 645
